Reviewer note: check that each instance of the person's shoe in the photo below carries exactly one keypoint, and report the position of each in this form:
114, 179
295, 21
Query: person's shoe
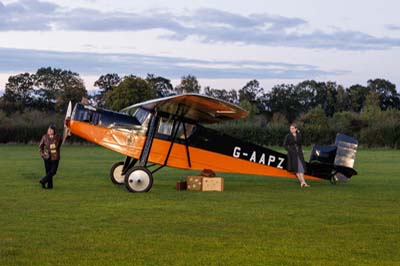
304, 185
42, 183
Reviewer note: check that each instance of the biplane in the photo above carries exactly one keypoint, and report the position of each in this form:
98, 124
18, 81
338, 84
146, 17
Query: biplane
172, 132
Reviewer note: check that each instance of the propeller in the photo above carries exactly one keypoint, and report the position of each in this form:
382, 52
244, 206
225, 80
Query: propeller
67, 119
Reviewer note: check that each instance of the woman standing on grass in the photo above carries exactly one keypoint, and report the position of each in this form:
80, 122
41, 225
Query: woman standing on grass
295, 158
49, 148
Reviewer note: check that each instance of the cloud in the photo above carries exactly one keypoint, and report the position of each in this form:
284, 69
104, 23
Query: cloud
24, 6
392, 27
27, 15
206, 25
20, 60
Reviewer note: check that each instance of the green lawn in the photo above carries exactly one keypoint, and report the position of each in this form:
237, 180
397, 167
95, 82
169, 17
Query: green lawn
86, 220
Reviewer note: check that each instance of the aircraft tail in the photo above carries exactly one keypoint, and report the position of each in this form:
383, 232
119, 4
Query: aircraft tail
334, 162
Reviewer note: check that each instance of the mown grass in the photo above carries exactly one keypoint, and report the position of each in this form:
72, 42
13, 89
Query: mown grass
86, 220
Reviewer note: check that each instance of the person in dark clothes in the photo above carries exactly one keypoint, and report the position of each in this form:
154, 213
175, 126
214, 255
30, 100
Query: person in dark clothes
295, 158
49, 148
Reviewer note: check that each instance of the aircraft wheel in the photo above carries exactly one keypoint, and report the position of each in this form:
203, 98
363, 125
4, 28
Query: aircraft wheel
138, 179
116, 175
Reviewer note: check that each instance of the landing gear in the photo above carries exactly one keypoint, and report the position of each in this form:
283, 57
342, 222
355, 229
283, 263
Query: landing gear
116, 175
138, 179
119, 169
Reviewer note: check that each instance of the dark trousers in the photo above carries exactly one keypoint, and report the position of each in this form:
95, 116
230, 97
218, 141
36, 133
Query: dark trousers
51, 170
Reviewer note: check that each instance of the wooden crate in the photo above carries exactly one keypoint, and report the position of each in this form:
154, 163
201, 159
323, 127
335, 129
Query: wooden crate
212, 184
194, 182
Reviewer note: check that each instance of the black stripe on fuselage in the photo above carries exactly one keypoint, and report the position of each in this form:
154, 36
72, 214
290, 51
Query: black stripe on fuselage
214, 141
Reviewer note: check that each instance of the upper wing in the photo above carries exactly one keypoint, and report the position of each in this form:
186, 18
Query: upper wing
200, 108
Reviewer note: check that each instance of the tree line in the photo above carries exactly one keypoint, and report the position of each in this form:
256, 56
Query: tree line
317, 106
50, 89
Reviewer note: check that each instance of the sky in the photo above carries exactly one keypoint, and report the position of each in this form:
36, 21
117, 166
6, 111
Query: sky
224, 43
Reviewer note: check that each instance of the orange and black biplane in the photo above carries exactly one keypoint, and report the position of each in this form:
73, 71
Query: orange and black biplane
171, 132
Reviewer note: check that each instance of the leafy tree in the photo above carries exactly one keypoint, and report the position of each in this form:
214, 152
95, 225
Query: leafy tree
316, 127
311, 94
131, 90
349, 123
282, 98
251, 108
253, 94
72, 89
251, 91
279, 119
47, 81
372, 99
376, 121
229, 96
56, 87
329, 104
161, 85
387, 93
342, 100
105, 83
189, 84
356, 95
306, 92
372, 112
232, 96
315, 116
19, 92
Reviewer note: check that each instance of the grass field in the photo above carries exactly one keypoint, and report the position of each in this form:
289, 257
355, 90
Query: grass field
86, 220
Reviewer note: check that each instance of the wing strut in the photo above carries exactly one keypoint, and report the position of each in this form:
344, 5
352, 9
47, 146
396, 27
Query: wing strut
187, 146
175, 129
144, 156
